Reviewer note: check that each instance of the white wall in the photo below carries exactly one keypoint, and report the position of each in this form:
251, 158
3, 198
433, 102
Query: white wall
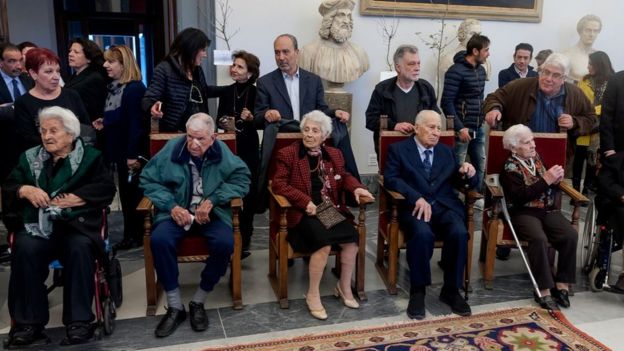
32, 20
261, 21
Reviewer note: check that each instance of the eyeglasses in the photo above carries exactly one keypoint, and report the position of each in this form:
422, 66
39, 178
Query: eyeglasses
547, 73
195, 95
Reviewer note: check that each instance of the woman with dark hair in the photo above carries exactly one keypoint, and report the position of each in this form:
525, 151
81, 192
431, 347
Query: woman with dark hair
45, 68
178, 87
236, 111
586, 151
125, 129
89, 78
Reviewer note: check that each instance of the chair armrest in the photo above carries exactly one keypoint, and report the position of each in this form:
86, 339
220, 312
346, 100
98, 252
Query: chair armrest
576, 196
281, 200
393, 194
365, 200
236, 202
145, 206
496, 191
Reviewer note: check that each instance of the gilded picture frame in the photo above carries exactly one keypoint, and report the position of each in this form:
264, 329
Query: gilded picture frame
495, 10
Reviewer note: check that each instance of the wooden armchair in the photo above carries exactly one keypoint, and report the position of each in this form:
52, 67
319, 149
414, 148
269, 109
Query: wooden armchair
552, 148
192, 248
390, 238
279, 249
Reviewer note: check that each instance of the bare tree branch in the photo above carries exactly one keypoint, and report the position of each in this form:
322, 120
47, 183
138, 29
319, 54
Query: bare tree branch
221, 22
388, 30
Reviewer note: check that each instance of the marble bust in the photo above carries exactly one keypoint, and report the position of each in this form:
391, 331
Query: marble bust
466, 30
333, 57
588, 28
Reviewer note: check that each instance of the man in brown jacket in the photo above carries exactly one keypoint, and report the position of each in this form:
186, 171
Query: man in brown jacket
545, 104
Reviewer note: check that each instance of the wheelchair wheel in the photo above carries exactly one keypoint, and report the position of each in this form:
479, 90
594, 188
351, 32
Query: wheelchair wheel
114, 278
588, 241
109, 313
597, 279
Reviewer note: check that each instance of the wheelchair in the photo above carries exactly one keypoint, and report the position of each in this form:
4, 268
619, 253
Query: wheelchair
108, 288
597, 245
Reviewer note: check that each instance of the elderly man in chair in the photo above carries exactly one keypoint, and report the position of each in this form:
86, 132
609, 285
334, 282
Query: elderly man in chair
191, 182
426, 174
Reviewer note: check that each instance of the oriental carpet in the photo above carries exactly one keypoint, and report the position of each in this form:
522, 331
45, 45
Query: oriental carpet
521, 329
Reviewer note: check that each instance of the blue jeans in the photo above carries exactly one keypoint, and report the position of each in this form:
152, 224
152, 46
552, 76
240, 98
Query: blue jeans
164, 242
475, 148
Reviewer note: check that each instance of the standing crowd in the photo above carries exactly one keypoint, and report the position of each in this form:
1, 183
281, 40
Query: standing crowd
66, 140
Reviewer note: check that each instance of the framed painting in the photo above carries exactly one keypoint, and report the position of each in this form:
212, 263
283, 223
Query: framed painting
495, 10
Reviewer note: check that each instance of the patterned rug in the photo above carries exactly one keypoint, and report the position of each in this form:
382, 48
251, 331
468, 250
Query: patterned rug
521, 329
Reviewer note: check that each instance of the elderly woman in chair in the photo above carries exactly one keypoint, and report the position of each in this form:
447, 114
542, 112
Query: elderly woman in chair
533, 199
311, 176
55, 197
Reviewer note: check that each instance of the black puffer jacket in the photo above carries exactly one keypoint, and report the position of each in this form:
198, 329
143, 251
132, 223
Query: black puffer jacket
463, 92
382, 103
171, 86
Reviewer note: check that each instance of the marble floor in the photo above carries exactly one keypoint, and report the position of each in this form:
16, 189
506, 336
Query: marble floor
599, 314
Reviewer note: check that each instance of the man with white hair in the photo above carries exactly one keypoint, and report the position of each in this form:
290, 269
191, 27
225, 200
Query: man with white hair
333, 57
426, 172
191, 182
545, 103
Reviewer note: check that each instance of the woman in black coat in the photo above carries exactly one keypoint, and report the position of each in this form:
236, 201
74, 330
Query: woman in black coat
237, 101
177, 89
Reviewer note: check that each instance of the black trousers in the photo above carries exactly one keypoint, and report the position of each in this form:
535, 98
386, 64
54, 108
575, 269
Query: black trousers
28, 300
543, 229
130, 195
580, 156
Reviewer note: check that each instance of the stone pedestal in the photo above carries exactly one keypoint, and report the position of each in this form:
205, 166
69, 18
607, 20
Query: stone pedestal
338, 98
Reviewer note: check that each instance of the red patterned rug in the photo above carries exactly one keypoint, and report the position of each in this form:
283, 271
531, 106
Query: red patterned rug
521, 329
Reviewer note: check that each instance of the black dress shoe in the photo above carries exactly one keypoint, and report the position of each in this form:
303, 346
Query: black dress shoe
245, 254
126, 244
546, 302
24, 335
78, 333
502, 253
456, 302
561, 297
416, 306
197, 316
170, 322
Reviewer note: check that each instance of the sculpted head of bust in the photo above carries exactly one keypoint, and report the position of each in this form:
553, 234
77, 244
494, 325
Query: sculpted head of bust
337, 24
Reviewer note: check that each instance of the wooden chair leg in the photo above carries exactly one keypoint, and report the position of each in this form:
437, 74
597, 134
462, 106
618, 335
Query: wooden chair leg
393, 258
490, 254
151, 286
282, 277
235, 270
361, 256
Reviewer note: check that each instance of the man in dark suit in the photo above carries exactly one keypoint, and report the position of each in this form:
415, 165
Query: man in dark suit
520, 68
288, 93
426, 173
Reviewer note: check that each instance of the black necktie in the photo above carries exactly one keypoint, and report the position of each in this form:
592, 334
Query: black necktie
427, 162
16, 91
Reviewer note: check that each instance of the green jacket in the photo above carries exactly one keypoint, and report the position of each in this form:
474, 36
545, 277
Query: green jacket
166, 179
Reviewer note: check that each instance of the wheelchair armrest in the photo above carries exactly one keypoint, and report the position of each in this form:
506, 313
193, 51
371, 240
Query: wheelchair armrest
576, 196
145, 207
281, 200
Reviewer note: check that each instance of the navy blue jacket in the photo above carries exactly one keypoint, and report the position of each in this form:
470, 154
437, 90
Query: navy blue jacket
405, 174
463, 92
508, 74
126, 128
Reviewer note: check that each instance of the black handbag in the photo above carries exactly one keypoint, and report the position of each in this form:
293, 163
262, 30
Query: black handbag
328, 215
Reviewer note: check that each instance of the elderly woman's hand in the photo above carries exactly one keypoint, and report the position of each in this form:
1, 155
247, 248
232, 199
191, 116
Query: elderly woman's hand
311, 209
359, 192
34, 195
202, 214
554, 175
67, 200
